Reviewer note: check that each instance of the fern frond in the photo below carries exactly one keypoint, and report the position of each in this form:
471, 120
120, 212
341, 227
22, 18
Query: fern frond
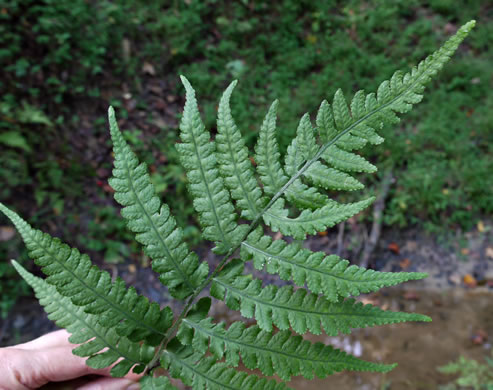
211, 199
280, 353
234, 165
74, 276
205, 373
311, 222
328, 275
117, 327
298, 309
155, 227
156, 383
267, 154
102, 346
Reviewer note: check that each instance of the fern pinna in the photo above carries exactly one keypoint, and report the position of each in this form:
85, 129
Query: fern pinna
237, 205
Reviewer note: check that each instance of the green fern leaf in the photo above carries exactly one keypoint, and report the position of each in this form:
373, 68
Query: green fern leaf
298, 193
234, 164
211, 199
358, 110
155, 227
342, 117
75, 277
298, 309
304, 197
331, 179
156, 383
327, 275
317, 173
267, 154
311, 222
102, 346
347, 161
325, 122
278, 353
306, 135
294, 157
205, 373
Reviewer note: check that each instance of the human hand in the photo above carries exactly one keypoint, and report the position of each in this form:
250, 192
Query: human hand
49, 359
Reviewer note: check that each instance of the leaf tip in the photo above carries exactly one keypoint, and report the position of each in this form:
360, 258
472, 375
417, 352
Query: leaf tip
185, 82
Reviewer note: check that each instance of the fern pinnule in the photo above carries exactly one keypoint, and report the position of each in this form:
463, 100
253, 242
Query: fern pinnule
311, 222
201, 372
155, 227
211, 199
304, 197
298, 309
323, 274
234, 165
267, 155
278, 353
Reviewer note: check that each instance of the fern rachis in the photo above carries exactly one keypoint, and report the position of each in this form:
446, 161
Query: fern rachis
117, 327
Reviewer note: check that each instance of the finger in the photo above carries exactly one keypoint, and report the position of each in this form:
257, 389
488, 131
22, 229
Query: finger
32, 369
27, 369
111, 384
49, 340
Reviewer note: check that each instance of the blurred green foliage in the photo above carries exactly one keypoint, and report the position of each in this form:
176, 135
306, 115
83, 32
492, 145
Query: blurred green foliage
63, 60
472, 374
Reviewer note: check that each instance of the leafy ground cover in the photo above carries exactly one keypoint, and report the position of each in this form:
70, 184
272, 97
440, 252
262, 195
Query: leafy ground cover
65, 61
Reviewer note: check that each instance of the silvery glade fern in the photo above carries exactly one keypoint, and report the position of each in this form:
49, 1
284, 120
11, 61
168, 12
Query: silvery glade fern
115, 326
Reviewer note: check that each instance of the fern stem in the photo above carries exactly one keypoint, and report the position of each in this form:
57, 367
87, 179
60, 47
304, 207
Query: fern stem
174, 327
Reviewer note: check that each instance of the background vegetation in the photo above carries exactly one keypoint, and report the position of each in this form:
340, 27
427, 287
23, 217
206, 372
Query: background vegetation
65, 61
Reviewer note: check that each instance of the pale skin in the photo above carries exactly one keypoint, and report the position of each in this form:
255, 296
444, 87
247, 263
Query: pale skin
48, 363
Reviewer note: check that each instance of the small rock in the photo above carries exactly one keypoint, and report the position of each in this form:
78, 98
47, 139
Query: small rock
470, 281
6, 233
405, 263
479, 337
411, 296
455, 279
394, 247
